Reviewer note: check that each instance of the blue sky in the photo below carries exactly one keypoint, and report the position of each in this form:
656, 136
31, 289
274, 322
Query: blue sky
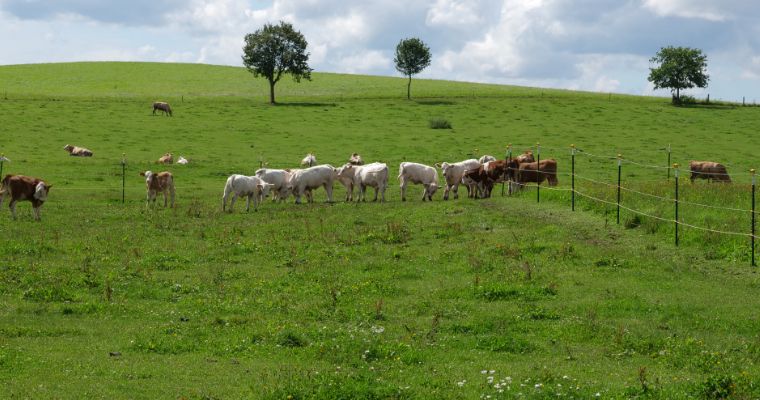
596, 45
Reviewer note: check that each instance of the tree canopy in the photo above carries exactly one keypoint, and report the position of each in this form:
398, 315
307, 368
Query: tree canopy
678, 68
412, 56
275, 50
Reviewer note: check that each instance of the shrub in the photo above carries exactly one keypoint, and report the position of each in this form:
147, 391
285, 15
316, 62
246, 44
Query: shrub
440, 123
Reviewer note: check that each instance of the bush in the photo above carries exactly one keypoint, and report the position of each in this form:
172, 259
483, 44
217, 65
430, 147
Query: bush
440, 123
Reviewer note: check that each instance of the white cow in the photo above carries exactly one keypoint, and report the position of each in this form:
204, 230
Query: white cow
304, 180
374, 175
248, 186
309, 161
346, 175
280, 178
486, 158
418, 174
453, 174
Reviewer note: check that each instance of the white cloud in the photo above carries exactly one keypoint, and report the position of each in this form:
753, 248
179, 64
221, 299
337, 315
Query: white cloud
453, 13
708, 10
364, 62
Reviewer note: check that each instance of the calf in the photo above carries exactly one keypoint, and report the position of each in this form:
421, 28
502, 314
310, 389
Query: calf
453, 174
485, 176
166, 159
418, 174
522, 173
248, 186
374, 175
162, 182
76, 151
22, 188
280, 180
355, 159
709, 170
304, 180
309, 161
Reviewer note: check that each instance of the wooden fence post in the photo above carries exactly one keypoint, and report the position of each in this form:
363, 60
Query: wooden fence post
752, 241
507, 158
572, 177
123, 175
675, 172
620, 169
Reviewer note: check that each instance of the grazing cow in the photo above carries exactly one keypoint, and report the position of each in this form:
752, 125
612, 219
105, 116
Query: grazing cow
485, 176
22, 188
248, 186
526, 156
309, 161
486, 158
418, 174
346, 175
453, 174
522, 173
709, 170
162, 182
182, 160
76, 151
374, 175
162, 106
166, 159
303, 180
280, 180
355, 159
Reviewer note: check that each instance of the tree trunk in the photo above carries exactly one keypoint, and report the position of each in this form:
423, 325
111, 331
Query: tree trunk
409, 88
271, 91
678, 95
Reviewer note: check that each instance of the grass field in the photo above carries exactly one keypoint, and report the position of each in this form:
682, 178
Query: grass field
398, 300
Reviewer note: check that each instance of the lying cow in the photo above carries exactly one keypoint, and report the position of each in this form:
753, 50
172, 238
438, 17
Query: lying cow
23, 188
304, 180
709, 170
418, 174
309, 161
166, 159
355, 159
162, 182
374, 175
453, 174
521, 173
76, 151
248, 186
280, 180
162, 106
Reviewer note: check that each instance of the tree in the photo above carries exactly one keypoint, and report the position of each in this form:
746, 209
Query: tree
678, 68
412, 56
275, 50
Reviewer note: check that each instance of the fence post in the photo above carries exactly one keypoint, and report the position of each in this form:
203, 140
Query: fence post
620, 169
507, 158
752, 171
123, 175
675, 174
668, 161
538, 172
572, 177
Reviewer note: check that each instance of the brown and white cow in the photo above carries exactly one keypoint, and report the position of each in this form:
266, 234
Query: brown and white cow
709, 170
166, 159
162, 182
24, 188
355, 159
485, 176
76, 151
521, 173
162, 106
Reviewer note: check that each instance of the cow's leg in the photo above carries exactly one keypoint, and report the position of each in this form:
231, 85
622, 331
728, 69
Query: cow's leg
377, 189
329, 189
446, 192
456, 191
232, 201
12, 206
381, 188
248, 202
403, 189
425, 192
37, 212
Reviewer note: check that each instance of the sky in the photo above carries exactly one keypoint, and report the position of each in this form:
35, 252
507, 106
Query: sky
592, 45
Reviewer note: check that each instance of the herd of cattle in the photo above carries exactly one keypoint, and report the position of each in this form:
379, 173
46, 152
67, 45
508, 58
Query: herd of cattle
478, 177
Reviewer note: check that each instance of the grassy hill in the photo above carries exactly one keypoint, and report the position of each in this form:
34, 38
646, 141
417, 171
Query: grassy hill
395, 300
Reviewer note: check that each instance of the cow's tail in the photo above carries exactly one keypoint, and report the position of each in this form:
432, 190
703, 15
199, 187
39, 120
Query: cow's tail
400, 172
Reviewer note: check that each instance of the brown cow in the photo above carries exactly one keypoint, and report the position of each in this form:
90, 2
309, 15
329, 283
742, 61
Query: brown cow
76, 151
485, 176
166, 159
162, 182
162, 106
23, 188
526, 156
709, 170
521, 173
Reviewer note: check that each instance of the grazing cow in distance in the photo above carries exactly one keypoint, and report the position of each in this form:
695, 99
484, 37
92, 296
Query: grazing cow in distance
166, 159
279, 178
162, 182
355, 159
418, 174
304, 180
709, 170
22, 188
309, 161
453, 174
521, 173
248, 186
182, 160
76, 151
162, 106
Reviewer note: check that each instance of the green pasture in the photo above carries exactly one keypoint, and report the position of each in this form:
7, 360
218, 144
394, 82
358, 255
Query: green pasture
461, 299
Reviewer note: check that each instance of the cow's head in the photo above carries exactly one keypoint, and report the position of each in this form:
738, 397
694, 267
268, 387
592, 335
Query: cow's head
68, 148
149, 175
345, 171
444, 166
432, 188
41, 191
264, 188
